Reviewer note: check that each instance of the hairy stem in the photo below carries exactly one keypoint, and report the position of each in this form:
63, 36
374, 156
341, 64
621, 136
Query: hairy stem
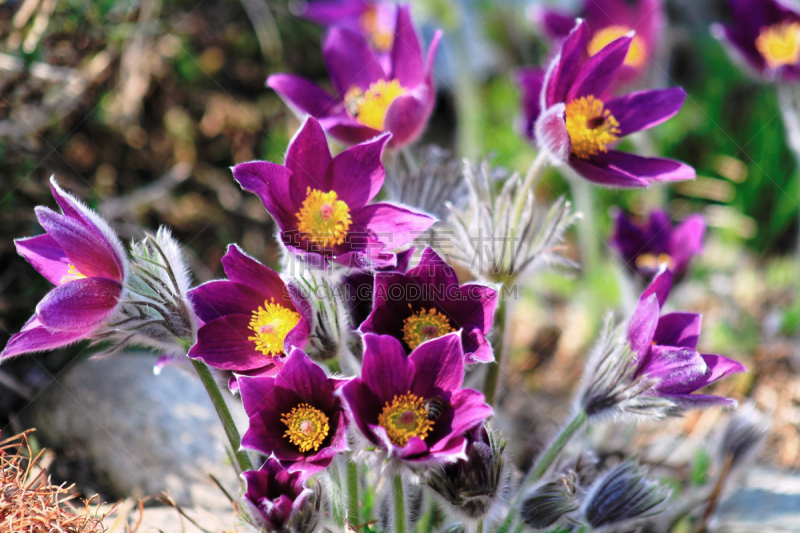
224, 415
501, 346
588, 240
352, 493
399, 504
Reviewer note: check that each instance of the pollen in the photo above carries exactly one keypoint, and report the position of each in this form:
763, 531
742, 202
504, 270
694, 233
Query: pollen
591, 127
425, 325
307, 427
71, 275
380, 37
779, 44
652, 261
637, 53
405, 417
271, 323
323, 218
369, 108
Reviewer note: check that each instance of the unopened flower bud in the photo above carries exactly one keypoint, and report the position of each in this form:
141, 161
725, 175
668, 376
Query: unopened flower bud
547, 503
473, 487
622, 496
744, 434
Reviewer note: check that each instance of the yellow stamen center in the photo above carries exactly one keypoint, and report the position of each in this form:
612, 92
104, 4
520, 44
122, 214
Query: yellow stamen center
380, 37
307, 425
271, 324
591, 127
404, 418
370, 108
425, 325
652, 262
71, 275
779, 44
637, 53
323, 219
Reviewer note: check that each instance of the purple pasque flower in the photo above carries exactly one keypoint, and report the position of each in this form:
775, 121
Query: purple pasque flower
665, 349
413, 407
577, 123
763, 35
277, 500
369, 98
359, 288
250, 320
82, 256
644, 247
375, 20
427, 302
321, 203
609, 20
295, 415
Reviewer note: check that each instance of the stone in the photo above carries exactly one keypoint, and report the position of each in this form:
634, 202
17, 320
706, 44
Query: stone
142, 434
767, 501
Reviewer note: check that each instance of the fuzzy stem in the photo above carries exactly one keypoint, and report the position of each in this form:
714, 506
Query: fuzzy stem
479, 527
399, 503
352, 493
501, 347
545, 461
224, 415
583, 196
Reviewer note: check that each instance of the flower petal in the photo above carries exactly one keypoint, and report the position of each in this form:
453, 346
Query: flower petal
642, 326
677, 369
556, 24
45, 255
407, 66
597, 74
407, 117
309, 158
357, 174
304, 96
386, 369
350, 61
438, 366
678, 329
301, 375
566, 65
621, 169
644, 109
214, 299
223, 343
270, 182
686, 241
660, 286
470, 409
36, 338
390, 224
257, 393
79, 305
530, 82
241, 268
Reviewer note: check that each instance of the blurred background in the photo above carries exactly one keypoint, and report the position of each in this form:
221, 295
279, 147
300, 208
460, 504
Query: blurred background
141, 107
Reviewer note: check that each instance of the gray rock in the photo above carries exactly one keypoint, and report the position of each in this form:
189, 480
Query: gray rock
767, 502
142, 434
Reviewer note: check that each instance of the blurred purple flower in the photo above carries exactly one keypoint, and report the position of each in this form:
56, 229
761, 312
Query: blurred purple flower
296, 415
665, 349
82, 256
370, 98
250, 320
375, 20
413, 407
764, 36
277, 500
320, 203
608, 20
567, 113
645, 247
427, 302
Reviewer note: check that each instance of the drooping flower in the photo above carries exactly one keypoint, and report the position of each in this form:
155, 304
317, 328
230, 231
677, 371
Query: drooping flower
413, 407
277, 500
250, 320
607, 21
427, 302
369, 98
295, 415
375, 20
623, 497
567, 112
82, 256
320, 202
764, 35
665, 350
644, 247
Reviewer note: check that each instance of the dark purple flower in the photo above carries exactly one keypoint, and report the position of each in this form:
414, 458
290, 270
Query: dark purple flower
764, 35
645, 247
320, 203
576, 122
413, 407
277, 500
665, 348
427, 302
250, 320
608, 20
295, 415
82, 256
370, 98
375, 20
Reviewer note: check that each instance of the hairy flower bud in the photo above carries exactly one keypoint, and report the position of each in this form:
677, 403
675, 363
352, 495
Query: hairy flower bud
622, 496
473, 487
744, 434
549, 502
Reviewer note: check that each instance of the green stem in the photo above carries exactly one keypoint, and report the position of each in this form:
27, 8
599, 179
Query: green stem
479, 527
544, 462
583, 196
224, 415
501, 346
791, 123
399, 505
352, 493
